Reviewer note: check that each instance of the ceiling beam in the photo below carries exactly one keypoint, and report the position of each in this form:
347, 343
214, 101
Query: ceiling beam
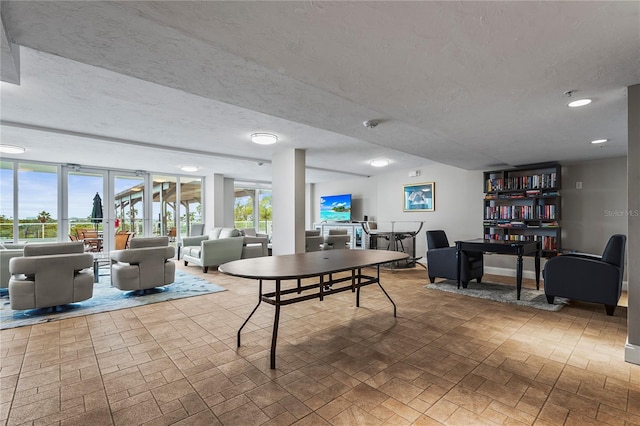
9, 56
148, 145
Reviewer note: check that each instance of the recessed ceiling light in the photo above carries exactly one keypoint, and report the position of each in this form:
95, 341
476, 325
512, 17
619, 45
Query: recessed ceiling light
189, 168
11, 149
600, 141
579, 103
381, 162
264, 138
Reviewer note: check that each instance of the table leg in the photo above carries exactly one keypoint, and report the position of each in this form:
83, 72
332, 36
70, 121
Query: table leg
95, 270
252, 312
413, 250
519, 274
537, 262
358, 288
459, 260
276, 320
386, 294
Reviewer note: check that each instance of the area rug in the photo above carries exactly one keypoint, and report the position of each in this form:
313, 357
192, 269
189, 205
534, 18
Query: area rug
502, 293
106, 298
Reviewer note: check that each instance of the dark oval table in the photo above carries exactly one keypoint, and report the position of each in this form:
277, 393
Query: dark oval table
320, 264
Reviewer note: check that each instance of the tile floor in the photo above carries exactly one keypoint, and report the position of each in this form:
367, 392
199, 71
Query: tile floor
446, 359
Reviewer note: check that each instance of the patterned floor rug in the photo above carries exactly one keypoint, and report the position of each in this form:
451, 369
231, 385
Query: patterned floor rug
106, 298
502, 293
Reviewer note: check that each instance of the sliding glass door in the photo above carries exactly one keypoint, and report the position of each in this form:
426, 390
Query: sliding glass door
84, 188
45, 203
129, 202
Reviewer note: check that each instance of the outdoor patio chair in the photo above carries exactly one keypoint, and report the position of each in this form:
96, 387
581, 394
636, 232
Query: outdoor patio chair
92, 240
122, 241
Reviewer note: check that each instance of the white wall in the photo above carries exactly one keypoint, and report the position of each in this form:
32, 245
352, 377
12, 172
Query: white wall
459, 205
592, 214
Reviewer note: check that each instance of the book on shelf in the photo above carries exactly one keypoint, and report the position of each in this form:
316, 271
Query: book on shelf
553, 224
494, 185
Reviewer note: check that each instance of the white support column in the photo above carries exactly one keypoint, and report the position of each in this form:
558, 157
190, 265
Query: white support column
214, 196
288, 201
309, 205
229, 202
632, 349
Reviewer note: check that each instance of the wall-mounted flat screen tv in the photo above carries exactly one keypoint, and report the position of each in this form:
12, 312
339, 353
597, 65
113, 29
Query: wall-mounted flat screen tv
335, 208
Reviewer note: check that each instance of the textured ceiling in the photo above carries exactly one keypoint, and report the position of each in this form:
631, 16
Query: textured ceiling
153, 85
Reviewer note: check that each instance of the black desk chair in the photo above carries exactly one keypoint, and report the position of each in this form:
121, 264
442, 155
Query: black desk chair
442, 261
590, 278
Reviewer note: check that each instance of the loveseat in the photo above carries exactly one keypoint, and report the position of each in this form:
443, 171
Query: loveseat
222, 245
49, 275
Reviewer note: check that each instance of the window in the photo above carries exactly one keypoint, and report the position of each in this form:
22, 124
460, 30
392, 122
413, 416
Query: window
190, 203
165, 213
252, 209
37, 202
129, 203
30, 199
243, 208
265, 216
6, 201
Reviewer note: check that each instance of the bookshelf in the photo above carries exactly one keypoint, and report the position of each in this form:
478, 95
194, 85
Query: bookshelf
523, 204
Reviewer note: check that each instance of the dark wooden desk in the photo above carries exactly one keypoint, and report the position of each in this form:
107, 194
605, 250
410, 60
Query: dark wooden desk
309, 265
517, 248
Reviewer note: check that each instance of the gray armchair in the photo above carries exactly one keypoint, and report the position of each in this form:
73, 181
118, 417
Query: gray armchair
313, 240
146, 264
590, 278
442, 260
337, 239
50, 275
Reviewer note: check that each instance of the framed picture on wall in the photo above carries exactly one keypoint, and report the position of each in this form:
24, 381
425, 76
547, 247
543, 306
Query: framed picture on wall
419, 197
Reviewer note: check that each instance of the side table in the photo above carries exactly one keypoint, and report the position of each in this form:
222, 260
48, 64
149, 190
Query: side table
99, 258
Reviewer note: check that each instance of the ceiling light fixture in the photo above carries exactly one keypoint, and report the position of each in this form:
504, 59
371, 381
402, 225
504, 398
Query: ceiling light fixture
600, 141
381, 162
264, 138
11, 149
189, 168
579, 103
